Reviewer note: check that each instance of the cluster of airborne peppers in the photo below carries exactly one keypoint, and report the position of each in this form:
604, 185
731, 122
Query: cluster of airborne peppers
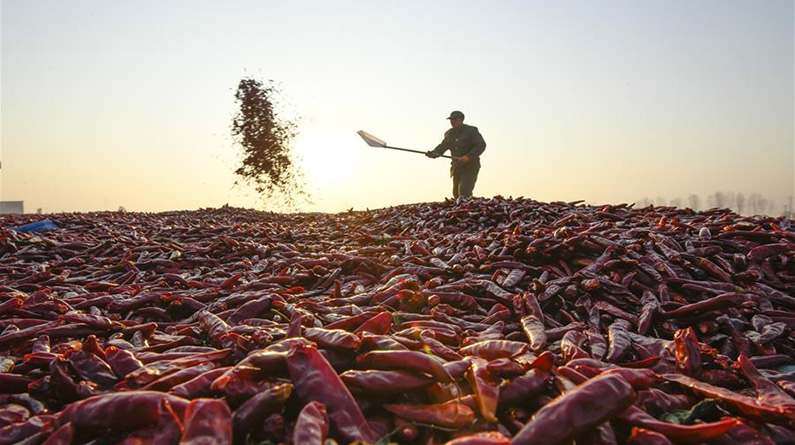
480, 322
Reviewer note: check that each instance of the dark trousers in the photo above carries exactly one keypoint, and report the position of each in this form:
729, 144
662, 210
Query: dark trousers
464, 179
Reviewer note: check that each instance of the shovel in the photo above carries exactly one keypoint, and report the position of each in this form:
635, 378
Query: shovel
375, 142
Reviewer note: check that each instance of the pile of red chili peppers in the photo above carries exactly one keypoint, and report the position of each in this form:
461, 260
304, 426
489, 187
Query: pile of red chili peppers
487, 321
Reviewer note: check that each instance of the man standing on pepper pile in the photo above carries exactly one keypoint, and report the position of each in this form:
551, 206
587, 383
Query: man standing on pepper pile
466, 145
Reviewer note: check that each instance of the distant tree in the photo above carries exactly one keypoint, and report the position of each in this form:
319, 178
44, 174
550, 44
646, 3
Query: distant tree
739, 202
676, 202
660, 201
753, 203
763, 202
759, 205
730, 197
717, 199
694, 201
643, 202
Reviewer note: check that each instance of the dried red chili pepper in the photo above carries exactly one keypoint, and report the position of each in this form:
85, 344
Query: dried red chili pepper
199, 386
406, 360
494, 349
312, 425
448, 415
680, 433
118, 411
259, 407
488, 438
521, 388
735, 402
315, 380
207, 421
485, 386
642, 436
387, 382
590, 404
190, 283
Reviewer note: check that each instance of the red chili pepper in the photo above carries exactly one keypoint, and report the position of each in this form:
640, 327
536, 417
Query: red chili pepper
13, 383
533, 328
719, 302
429, 340
619, 340
387, 382
688, 352
590, 404
505, 368
231, 282
118, 411
333, 338
378, 324
259, 407
212, 325
767, 391
382, 342
350, 323
485, 386
249, 309
154, 371
571, 346
494, 349
680, 433
199, 386
457, 368
649, 309
62, 436
17, 432
90, 367
447, 415
642, 436
741, 404
640, 379
487, 438
316, 380
207, 421
312, 425
406, 360
522, 388
743, 434
166, 382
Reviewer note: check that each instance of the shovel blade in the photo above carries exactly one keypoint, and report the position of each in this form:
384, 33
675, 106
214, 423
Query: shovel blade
371, 140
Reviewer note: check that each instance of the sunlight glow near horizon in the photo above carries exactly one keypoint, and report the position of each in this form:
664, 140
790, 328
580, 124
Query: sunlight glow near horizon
109, 104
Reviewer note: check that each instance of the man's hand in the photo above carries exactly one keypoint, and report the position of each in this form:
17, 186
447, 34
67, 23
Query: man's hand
432, 154
463, 159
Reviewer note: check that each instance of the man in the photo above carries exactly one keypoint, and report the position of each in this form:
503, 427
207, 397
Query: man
466, 145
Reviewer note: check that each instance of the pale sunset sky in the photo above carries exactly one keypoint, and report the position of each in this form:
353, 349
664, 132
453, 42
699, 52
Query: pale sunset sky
109, 103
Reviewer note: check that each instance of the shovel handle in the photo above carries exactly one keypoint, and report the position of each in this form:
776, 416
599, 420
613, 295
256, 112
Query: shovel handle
418, 151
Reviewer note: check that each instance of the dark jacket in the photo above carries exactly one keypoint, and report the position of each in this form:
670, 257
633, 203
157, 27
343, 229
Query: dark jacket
463, 141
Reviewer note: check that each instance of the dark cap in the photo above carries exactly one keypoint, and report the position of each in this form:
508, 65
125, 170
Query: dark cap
456, 115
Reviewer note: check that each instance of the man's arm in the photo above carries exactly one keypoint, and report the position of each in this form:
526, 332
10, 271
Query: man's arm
441, 148
478, 144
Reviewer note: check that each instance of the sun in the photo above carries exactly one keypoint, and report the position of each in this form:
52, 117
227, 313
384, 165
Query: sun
328, 158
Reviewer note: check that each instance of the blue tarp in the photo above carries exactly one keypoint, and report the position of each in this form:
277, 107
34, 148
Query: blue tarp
38, 226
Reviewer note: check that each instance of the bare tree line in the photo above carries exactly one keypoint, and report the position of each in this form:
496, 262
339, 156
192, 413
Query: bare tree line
753, 204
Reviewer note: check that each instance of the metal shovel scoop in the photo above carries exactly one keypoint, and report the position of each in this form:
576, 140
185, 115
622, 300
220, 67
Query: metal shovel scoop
375, 142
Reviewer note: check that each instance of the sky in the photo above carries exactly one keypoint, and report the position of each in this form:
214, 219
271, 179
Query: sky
108, 104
